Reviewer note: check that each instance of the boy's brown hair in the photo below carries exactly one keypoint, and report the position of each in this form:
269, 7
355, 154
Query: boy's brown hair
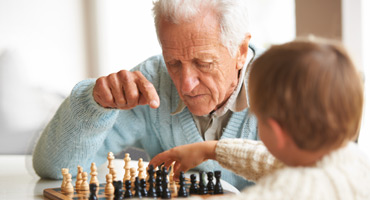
312, 89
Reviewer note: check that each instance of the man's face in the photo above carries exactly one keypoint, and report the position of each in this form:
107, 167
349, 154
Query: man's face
201, 68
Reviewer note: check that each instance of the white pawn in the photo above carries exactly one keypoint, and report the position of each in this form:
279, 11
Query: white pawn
127, 160
65, 171
79, 178
84, 185
94, 174
141, 169
68, 187
109, 188
133, 176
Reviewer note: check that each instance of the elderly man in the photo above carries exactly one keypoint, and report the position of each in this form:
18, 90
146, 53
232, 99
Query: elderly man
194, 91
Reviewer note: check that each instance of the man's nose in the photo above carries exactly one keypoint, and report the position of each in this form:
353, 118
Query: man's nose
189, 79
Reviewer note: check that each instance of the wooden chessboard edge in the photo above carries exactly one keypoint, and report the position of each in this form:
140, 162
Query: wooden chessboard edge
50, 193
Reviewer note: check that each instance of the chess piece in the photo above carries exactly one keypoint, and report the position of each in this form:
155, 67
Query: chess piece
128, 193
210, 185
118, 190
137, 188
133, 175
65, 171
144, 192
166, 194
114, 174
109, 188
110, 158
94, 174
141, 169
68, 187
158, 183
218, 187
182, 190
93, 188
172, 172
193, 186
79, 178
151, 192
202, 190
84, 185
127, 160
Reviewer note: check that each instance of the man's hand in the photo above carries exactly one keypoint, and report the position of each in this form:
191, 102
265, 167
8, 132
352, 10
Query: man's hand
186, 156
125, 90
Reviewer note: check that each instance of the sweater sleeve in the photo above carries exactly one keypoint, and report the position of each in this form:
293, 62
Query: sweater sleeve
247, 158
74, 135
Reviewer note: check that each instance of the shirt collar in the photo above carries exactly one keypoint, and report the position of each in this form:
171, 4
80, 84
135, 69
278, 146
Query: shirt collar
237, 101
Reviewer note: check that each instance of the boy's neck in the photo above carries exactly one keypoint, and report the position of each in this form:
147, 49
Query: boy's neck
300, 157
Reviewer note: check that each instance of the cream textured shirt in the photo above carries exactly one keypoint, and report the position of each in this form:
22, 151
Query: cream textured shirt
342, 174
210, 126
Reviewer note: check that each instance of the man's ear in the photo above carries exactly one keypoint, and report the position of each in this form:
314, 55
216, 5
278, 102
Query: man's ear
243, 51
279, 134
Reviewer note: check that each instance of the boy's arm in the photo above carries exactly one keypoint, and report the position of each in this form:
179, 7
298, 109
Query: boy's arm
247, 158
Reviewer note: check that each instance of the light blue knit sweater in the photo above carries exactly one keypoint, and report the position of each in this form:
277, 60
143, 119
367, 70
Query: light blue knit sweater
82, 132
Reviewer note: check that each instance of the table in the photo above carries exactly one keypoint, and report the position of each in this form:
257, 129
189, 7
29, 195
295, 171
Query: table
18, 180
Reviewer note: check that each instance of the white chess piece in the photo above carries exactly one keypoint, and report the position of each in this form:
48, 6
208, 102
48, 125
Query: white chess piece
68, 187
127, 160
65, 171
79, 178
94, 174
141, 169
109, 188
84, 185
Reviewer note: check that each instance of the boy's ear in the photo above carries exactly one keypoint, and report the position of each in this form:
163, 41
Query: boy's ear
279, 134
243, 51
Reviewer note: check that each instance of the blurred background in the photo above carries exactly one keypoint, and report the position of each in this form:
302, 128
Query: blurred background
47, 46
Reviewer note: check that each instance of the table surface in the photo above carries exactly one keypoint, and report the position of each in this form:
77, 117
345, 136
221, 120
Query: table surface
18, 180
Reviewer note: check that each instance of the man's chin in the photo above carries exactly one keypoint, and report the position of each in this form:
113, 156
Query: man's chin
199, 110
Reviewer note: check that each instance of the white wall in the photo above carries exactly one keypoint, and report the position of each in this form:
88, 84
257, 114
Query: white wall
41, 58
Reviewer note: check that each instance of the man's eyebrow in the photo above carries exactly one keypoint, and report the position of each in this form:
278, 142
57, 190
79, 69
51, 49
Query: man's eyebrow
206, 56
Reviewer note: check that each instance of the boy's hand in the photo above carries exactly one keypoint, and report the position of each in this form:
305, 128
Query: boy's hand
186, 156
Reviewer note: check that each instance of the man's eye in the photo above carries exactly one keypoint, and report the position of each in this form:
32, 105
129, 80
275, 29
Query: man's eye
204, 66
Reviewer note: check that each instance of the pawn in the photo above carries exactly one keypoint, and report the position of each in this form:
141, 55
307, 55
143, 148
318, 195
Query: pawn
93, 188
79, 178
210, 185
118, 190
109, 188
182, 190
84, 187
128, 193
218, 187
133, 175
144, 192
137, 188
68, 187
193, 186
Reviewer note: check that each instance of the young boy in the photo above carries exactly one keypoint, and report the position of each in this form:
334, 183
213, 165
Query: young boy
308, 99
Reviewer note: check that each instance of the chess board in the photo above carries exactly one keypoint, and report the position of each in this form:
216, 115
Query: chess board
56, 194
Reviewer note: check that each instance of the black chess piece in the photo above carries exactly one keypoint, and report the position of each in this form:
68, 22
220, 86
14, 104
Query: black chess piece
151, 192
144, 192
202, 190
128, 193
218, 187
166, 194
137, 188
118, 191
93, 188
158, 183
210, 185
193, 186
182, 190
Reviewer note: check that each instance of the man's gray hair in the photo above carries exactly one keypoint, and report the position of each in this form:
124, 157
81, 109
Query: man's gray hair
233, 17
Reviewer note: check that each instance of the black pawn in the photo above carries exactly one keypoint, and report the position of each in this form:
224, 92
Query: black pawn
182, 190
137, 188
158, 183
218, 187
118, 190
210, 185
193, 186
166, 194
128, 193
151, 191
144, 192
202, 187
93, 188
